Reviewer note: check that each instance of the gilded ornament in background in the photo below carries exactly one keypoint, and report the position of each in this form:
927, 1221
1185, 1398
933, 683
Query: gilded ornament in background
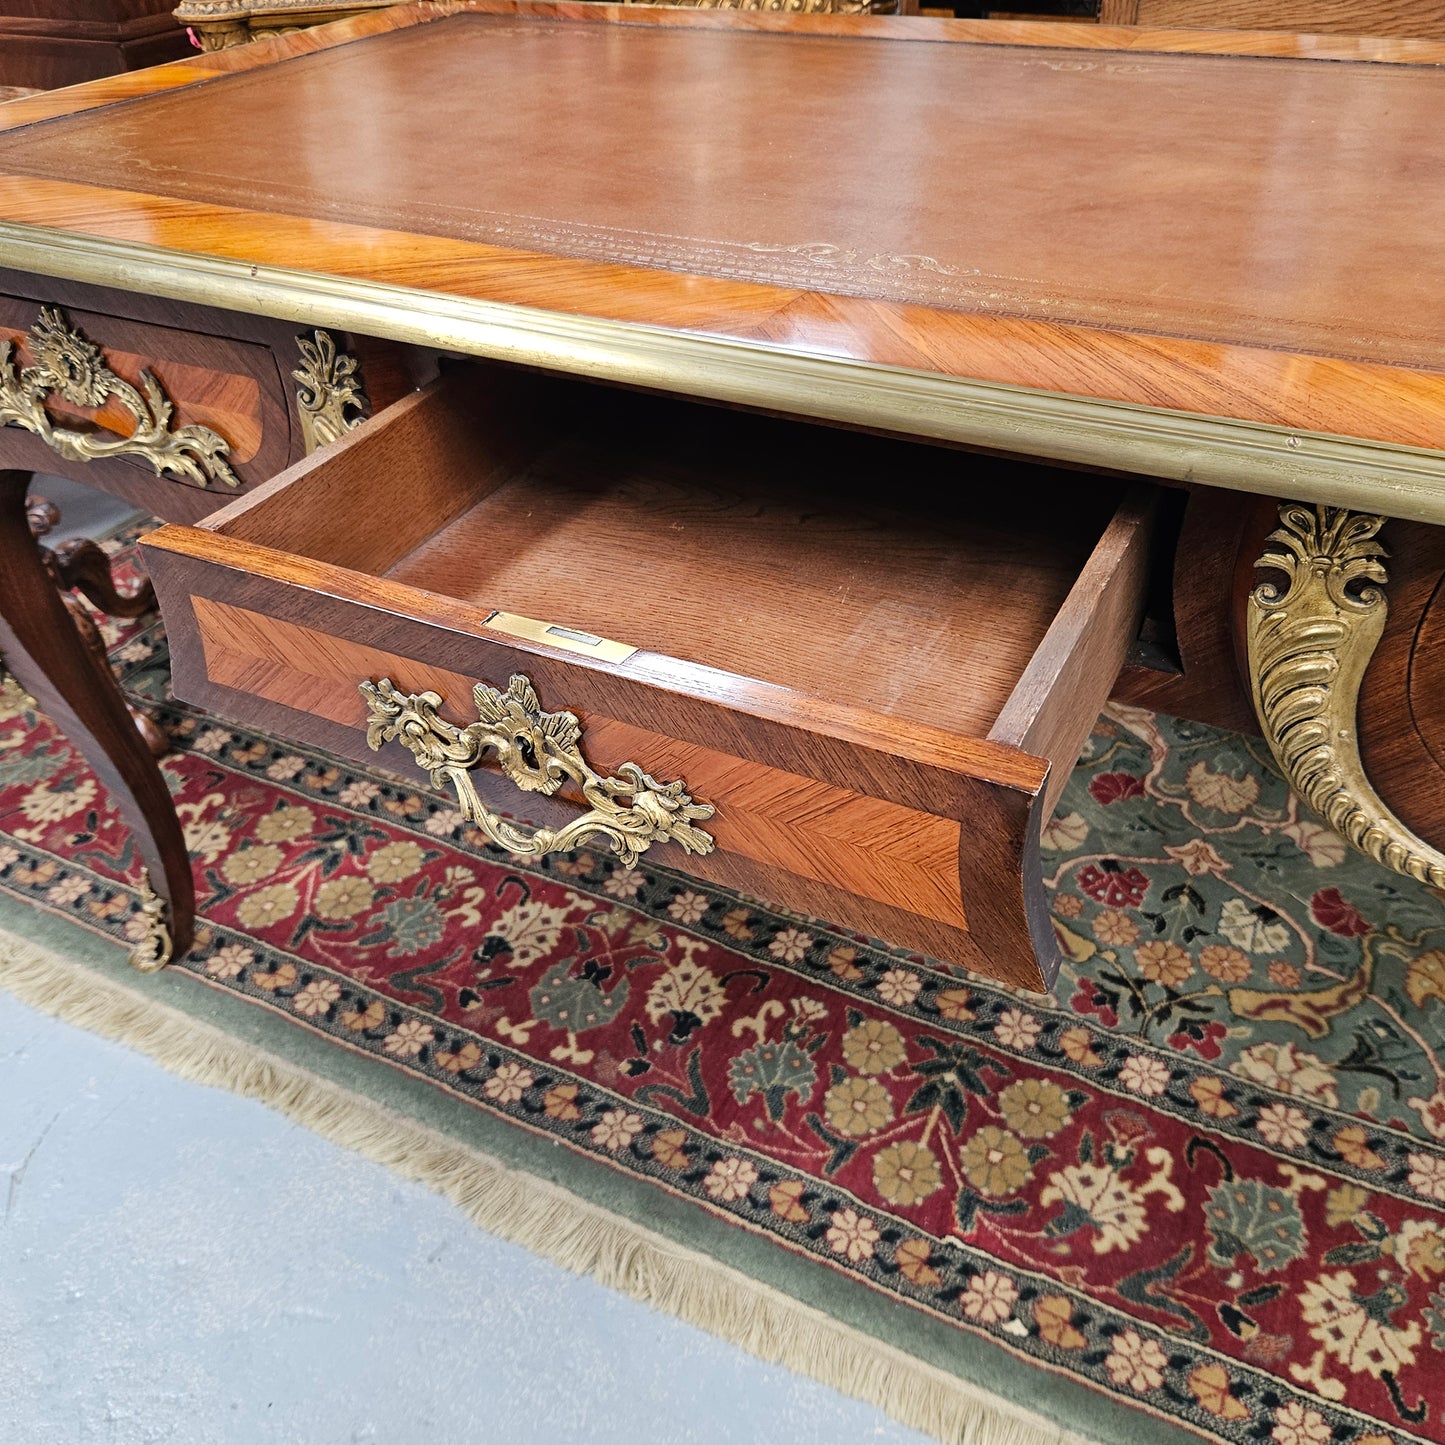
222, 24
65, 364
329, 396
538, 751
222, 37
1309, 646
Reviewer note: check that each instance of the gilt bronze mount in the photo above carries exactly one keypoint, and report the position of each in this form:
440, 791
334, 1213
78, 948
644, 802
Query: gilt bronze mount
539, 751
155, 946
329, 396
65, 364
1309, 646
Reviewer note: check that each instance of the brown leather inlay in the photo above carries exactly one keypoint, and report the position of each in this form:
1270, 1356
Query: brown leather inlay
1220, 197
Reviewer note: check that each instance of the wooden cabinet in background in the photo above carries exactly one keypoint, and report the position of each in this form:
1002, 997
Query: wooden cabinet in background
49, 43
1424, 19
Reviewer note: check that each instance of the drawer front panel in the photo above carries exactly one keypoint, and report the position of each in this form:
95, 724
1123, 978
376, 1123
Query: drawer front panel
864, 845
212, 382
388, 557
175, 421
267, 391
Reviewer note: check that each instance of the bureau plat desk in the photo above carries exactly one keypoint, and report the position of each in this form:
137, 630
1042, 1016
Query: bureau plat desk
721, 551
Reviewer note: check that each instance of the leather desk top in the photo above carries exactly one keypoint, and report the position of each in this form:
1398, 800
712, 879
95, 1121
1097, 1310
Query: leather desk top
1258, 242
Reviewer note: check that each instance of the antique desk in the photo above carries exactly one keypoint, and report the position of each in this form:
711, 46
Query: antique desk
803, 499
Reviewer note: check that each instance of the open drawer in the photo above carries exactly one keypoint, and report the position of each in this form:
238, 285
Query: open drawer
873, 661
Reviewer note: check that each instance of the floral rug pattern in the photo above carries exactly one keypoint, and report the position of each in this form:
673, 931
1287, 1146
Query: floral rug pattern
1206, 1176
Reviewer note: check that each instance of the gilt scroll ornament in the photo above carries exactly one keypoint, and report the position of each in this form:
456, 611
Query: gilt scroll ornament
65, 364
220, 24
789, 7
1309, 646
538, 751
154, 947
329, 396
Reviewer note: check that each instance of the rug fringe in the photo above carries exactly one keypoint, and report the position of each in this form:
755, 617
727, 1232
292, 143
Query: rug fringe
542, 1217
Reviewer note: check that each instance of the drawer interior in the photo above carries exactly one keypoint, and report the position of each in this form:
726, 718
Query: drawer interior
911, 581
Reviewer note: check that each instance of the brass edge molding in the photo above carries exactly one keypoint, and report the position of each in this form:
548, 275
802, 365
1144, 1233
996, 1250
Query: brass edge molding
1309, 646
1399, 481
64, 363
330, 400
154, 947
539, 751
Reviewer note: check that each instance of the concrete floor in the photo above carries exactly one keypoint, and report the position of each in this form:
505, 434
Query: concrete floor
178, 1264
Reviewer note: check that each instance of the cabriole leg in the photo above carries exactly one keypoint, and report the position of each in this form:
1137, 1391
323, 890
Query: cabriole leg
81, 566
75, 689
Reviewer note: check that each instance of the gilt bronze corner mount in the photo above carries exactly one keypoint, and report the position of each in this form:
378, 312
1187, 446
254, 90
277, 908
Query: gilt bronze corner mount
330, 400
1309, 645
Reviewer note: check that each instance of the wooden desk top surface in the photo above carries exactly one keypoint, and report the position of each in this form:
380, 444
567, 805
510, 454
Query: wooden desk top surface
1210, 262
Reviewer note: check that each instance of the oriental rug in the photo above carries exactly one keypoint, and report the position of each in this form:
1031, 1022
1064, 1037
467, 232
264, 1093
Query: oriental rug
1199, 1191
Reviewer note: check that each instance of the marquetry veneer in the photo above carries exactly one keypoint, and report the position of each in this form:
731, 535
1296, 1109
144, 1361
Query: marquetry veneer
881, 704
1103, 285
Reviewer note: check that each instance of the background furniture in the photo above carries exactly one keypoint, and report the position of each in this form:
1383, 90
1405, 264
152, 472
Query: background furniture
46, 43
1423, 18
221, 24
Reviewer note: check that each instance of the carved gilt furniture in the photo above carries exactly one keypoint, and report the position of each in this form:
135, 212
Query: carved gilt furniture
220, 24
45, 43
819, 596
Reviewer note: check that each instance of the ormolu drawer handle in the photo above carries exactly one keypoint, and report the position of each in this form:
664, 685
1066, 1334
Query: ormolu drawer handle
67, 365
538, 751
